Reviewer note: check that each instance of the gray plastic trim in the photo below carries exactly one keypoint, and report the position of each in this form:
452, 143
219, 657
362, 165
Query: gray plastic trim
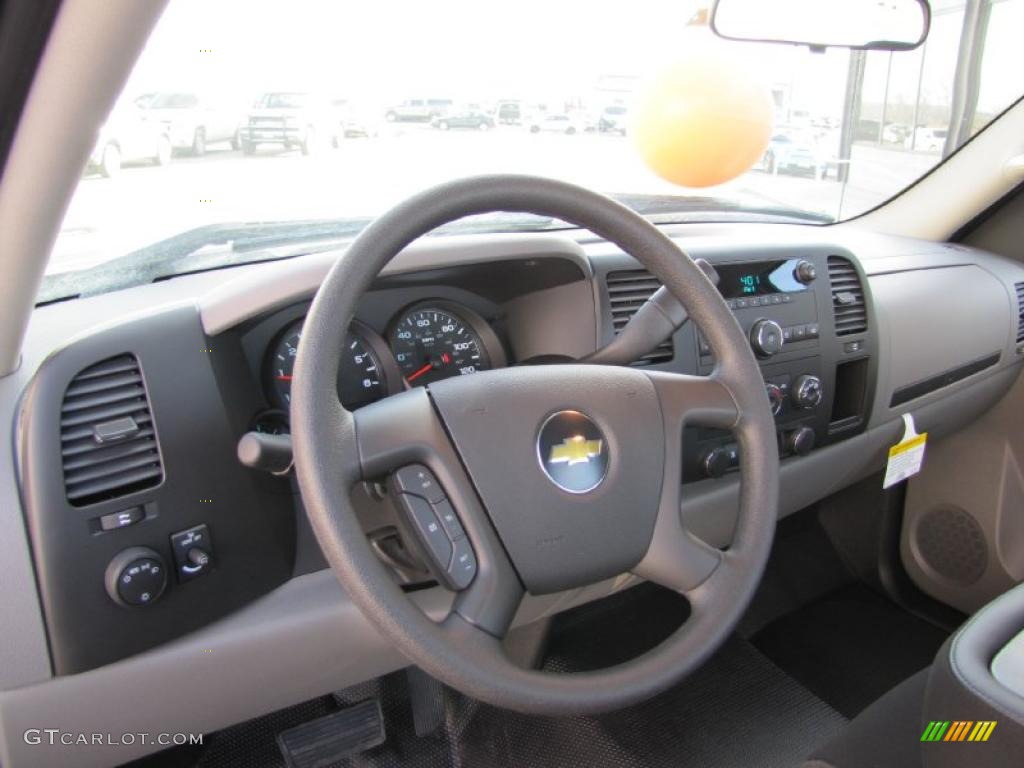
709, 507
936, 321
1008, 665
302, 640
280, 283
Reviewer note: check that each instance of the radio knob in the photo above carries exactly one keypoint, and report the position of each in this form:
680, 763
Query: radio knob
716, 462
800, 441
776, 398
805, 272
806, 392
766, 338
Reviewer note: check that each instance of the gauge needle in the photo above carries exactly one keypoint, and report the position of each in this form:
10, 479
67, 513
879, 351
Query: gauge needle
284, 377
420, 372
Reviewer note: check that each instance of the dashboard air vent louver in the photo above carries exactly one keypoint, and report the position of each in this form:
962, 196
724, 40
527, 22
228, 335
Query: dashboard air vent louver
847, 297
108, 443
627, 292
1019, 287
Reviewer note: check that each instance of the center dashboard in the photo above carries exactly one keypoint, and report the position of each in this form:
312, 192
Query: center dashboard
128, 434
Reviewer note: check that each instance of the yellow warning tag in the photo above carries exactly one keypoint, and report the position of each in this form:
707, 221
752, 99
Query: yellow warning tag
907, 456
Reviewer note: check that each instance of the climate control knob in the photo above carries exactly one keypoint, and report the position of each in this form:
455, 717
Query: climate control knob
136, 577
776, 397
800, 441
766, 338
716, 462
805, 272
806, 391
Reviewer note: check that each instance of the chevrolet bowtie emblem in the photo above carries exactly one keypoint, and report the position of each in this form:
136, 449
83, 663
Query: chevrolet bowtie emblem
575, 450
572, 451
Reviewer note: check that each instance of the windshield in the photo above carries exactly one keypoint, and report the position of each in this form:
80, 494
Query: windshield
282, 101
315, 120
170, 101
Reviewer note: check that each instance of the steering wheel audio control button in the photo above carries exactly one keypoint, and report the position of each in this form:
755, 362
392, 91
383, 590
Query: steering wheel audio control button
429, 529
462, 568
449, 520
419, 481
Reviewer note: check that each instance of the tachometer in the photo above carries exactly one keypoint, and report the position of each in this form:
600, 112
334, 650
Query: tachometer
434, 342
360, 376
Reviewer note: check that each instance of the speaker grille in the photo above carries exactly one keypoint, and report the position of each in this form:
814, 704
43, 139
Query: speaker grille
952, 544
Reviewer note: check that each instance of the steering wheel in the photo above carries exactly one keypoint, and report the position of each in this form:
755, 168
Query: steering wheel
561, 475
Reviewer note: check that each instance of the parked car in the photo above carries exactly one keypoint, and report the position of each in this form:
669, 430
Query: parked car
351, 122
557, 123
927, 139
417, 110
794, 155
193, 122
509, 113
895, 133
130, 135
464, 117
613, 119
289, 119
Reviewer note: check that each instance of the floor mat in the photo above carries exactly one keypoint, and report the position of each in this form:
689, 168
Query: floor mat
850, 646
740, 709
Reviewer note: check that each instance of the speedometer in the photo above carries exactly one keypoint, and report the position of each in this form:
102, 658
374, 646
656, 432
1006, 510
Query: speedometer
433, 342
361, 378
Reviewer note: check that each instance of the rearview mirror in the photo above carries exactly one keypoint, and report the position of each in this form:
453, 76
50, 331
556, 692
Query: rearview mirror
888, 25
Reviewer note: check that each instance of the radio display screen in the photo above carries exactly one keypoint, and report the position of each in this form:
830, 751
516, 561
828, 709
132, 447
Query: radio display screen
758, 278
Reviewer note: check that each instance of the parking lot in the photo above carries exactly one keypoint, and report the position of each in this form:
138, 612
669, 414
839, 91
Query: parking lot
363, 176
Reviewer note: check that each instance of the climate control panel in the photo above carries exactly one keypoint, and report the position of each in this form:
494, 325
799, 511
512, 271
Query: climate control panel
785, 308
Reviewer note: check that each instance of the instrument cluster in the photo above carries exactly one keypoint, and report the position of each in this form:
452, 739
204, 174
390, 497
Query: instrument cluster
423, 343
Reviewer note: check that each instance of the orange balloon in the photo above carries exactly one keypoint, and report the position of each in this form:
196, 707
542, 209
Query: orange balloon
703, 120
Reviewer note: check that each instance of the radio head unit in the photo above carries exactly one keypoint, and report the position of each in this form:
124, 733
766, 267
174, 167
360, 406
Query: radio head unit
760, 278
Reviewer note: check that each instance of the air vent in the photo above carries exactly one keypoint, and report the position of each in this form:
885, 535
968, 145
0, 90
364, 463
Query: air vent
107, 440
847, 297
627, 292
1020, 311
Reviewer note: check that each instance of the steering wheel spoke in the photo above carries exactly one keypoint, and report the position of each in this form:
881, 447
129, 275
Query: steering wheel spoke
676, 558
700, 401
403, 438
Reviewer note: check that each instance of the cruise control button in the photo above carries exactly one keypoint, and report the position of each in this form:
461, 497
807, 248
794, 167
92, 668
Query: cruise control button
429, 529
418, 480
812, 331
449, 520
463, 565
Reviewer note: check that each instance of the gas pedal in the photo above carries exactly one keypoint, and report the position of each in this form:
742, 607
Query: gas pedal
331, 738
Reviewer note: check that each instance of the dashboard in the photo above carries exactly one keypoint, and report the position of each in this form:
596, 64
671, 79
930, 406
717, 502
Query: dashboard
132, 407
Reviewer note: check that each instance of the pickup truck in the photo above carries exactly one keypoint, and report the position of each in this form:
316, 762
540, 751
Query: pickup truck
289, 119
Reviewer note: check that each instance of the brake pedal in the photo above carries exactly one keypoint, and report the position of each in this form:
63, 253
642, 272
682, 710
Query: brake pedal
333, 737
